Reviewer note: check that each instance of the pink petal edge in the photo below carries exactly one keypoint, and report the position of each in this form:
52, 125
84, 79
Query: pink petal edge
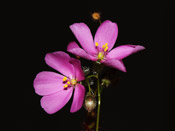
117, 64
60, 61
76, 50
79, 74
123, 51
53, 103
78, 98
84, 36
46, 83
107, 32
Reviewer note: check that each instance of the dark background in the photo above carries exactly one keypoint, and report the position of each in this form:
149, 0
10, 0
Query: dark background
141, 100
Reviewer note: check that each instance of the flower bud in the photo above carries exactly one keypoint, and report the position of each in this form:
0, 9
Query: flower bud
96, 15
105, 82
86, 70
90, 102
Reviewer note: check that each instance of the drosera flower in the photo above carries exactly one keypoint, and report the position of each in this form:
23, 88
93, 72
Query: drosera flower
99, 49
57, 89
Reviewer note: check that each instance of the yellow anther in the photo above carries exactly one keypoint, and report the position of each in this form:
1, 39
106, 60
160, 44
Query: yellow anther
103, 46
64, 79
96, 44
65, 86
106, 48
68, 82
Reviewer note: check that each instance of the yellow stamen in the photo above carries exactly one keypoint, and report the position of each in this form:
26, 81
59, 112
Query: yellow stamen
106, 48
103, 46
64, 79
68, 82
73, 81
65, 86
96, 44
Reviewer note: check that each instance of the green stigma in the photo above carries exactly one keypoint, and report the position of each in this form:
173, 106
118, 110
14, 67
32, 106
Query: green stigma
100, 56
73, 82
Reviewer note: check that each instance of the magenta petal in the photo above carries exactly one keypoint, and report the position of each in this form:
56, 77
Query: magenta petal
78, 98
118, 64
106, 33
123, 51
84, 36
60, 62
47, 83
54, 102
72, 45
76, 50
79, 74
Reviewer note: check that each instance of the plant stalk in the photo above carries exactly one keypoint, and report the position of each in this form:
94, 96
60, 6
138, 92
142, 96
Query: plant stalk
99, 102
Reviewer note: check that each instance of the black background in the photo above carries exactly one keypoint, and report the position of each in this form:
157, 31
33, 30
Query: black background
141, 100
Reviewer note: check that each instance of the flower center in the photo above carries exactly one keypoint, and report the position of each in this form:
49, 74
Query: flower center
68, 82
101, 56
102, 51
73, 82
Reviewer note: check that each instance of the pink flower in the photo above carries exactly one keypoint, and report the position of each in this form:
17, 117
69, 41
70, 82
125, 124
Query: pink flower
57, 89
99, 49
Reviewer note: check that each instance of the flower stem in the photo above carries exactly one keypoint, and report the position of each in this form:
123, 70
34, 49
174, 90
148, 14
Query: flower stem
99, 101
92, 76
87, 81
88, 85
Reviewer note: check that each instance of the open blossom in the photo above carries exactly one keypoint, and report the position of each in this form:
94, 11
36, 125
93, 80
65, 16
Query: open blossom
99, 48
57, 89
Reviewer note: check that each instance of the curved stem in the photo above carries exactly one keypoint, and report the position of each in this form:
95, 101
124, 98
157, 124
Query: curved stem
92, 76
87, 80
88, 85
99, 101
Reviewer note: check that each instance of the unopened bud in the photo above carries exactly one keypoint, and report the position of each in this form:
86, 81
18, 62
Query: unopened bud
90, 102
105, 82
96, 15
